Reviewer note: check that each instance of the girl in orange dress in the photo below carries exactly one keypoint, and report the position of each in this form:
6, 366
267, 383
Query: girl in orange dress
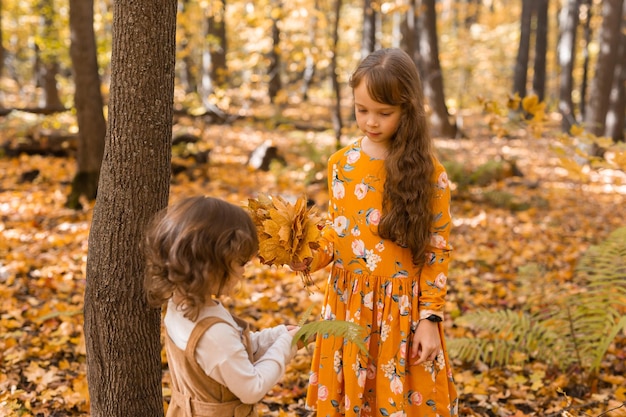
387, 236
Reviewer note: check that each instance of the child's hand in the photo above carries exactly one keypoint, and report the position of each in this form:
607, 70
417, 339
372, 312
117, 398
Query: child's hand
301, 266
426, 342
292, 330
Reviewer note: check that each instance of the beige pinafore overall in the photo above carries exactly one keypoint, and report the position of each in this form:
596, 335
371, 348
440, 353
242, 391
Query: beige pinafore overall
194, 393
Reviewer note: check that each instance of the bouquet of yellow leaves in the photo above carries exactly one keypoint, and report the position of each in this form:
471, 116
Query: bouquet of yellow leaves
288, 233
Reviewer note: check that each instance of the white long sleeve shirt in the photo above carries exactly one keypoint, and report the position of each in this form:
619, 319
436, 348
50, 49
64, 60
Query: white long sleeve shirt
222, 355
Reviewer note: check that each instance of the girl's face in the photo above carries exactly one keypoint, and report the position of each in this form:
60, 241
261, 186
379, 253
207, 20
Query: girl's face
238, 268
378, 121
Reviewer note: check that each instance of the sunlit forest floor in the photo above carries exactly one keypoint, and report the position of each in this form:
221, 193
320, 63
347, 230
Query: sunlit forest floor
508, 253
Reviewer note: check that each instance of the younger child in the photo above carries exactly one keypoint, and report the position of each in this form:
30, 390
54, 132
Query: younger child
195, 252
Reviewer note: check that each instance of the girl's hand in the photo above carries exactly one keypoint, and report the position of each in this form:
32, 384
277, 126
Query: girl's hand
301, 266
426, 342
292, 330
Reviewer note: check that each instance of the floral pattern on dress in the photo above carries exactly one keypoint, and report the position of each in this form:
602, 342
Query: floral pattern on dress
374, 283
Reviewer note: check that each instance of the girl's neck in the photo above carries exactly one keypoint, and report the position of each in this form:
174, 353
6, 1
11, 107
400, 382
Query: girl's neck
374, 149
210, 301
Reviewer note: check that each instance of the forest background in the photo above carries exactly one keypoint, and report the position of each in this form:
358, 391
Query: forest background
536, 306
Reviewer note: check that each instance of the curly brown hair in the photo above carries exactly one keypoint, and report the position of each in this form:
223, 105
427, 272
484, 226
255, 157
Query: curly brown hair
392, 78
190, 249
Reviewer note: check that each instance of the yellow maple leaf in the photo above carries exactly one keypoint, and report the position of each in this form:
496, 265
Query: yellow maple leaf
288, 233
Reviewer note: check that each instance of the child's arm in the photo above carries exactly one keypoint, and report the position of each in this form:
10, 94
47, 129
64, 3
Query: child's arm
264, 339
224, 358
434, 275
433, 279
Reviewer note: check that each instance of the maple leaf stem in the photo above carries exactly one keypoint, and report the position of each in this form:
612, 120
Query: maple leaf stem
307, 279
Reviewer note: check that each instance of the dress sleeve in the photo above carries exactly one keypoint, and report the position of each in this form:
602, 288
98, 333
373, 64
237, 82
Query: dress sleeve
223, 357
324, 255
434, 275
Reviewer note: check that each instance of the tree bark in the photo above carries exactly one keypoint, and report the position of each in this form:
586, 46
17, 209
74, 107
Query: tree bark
273, 71
309, 53
521, 63
49, 64
368, 41
541, 49
432, 76
566, 53
2, 54
595, 119
336, 111
87, 101
122, 333
410, 38
616, 115
587, 40
217, 44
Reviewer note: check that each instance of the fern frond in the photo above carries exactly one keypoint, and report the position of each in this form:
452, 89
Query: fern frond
305, 316
352, 332
604, 344
507, 333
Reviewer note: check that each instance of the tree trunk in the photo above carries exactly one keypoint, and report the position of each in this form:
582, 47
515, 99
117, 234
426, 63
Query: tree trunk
49, 65
217, 43
433, 76
122, 334
521, 63
87, 101
368, 42
595, 119
273, 71
2, 55
616, 116
587, 38
541, 48
309, 63
336, 112
409, 40
186, 74
566, 52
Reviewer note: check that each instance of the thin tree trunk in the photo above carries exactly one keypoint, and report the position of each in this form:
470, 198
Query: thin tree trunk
587, 38
122, 333
88, 102
273, 70
49, 65
566, 52
521, 63
616, 116
408, 42
309, 65
185, 73
595, 119
433, 76
217, 47
541, 49
2, 54
336, 112
368, 42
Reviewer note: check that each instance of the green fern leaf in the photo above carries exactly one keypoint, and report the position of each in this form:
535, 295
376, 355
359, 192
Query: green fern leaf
352, 332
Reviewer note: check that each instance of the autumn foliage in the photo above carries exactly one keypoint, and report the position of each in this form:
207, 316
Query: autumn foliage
288, 233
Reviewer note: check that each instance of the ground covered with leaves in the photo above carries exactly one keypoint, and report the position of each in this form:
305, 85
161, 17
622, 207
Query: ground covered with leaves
516, 239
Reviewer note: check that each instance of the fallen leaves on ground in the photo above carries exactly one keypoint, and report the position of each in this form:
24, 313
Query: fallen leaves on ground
502, 259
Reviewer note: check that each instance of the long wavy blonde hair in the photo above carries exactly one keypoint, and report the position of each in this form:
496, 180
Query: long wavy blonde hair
392, 78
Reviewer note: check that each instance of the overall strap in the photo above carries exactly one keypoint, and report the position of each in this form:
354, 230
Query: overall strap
205, 324
200, 328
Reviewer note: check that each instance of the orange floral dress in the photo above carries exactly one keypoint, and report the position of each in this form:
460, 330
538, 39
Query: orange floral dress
374, 283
